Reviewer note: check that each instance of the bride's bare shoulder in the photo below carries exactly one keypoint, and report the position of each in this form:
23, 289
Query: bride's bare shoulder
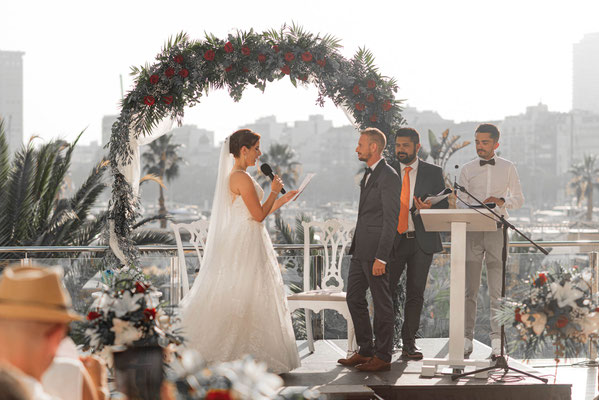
239, 179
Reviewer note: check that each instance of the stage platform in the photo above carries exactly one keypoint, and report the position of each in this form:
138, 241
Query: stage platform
320, 371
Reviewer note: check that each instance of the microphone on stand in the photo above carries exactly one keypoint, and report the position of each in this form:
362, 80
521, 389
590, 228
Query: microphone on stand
455, 179
266, 170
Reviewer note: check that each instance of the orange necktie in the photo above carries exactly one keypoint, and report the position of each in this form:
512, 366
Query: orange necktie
404, 202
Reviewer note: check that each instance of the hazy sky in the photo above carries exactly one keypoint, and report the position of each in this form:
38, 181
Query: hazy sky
468, 60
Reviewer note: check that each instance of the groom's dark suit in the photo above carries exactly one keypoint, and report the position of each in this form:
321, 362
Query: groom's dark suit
373, 238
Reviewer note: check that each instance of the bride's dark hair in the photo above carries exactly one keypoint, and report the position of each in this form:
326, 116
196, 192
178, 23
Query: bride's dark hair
242, 138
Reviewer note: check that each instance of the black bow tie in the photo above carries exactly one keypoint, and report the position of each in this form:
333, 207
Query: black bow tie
485, 162
367, 171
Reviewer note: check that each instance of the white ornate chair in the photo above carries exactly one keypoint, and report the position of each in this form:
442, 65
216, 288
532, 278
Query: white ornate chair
198, 231
336, 236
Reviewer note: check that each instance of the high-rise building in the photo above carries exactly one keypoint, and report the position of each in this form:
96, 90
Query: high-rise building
11, 97
585, 82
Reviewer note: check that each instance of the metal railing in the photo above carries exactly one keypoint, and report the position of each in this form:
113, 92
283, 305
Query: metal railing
173, 248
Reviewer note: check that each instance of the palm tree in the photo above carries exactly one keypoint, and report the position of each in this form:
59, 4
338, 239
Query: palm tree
585, 179
162, 160
32, 210
443, 148
281, 158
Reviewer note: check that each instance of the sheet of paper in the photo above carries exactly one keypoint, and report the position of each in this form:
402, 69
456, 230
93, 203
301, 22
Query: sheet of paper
437, 198
305, 182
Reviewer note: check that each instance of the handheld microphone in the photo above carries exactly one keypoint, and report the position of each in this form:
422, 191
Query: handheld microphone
266, 170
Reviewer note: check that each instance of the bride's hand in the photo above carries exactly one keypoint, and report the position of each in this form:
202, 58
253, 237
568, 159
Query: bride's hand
288, 196
277, 184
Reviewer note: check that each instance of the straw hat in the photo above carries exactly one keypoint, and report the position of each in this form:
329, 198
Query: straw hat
35, 294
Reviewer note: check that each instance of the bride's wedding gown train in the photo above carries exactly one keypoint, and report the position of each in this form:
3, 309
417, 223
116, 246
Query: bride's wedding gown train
237, 304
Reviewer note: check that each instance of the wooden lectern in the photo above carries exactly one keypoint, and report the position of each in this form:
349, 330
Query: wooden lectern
458, 222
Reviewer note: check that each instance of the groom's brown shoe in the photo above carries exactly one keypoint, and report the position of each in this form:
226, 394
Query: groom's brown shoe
354, 360
374, 365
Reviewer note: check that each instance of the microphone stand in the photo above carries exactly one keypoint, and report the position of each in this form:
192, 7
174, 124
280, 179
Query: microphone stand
500, 361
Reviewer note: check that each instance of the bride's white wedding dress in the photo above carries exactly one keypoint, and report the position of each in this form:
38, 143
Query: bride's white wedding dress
237, 304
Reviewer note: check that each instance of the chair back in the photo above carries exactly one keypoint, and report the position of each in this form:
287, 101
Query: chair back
198, 231
335, 235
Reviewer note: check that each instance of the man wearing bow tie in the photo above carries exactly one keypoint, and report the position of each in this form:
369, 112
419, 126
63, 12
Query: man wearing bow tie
370, 249
494, 180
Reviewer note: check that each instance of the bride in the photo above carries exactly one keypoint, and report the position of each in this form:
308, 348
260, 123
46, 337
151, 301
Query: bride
237, 304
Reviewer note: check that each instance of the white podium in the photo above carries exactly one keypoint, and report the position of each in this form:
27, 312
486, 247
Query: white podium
458, 221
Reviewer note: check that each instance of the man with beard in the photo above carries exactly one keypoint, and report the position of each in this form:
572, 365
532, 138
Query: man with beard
495, 180
413, 247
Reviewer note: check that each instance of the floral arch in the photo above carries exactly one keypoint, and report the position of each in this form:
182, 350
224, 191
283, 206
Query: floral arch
185, 70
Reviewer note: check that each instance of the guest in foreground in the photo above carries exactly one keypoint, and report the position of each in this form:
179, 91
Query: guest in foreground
414, 247
370, 249
491, 179
35, 312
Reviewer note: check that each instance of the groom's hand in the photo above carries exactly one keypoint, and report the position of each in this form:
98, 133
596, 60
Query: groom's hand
378, 268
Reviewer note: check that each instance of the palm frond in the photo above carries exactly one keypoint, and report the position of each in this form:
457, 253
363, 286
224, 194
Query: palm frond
4, 156
19, 199
150, 219
147, 237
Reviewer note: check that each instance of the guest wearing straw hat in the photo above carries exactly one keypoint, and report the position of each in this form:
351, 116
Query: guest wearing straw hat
35, 312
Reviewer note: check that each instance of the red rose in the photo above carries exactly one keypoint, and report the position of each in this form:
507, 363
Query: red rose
289, 56
209, 55
167, 99
322, 62
229, 68
245, 69
179, 59
140, 287
184, 73
245, 51
228, 47
562, 321
169, 72
306, 56
261, 58
518, 316
149, 100
285, 69
387, 105
542, 279
371, 84
360, 107
276, 48
218, 394
370, 98
356, 89
150, 313
154, 79
373, 118
93, 315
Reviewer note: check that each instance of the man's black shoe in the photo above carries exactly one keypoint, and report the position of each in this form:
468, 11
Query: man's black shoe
411, 351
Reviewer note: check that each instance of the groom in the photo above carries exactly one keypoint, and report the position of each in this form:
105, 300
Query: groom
371, 246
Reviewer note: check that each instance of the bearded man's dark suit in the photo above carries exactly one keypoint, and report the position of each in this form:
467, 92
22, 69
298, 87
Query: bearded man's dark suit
414, 251
373, 238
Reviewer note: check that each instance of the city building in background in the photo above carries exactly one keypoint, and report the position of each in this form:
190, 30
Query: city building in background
11, 97
585, 74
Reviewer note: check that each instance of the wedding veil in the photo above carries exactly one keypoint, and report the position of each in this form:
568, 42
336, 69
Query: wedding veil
220, 216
